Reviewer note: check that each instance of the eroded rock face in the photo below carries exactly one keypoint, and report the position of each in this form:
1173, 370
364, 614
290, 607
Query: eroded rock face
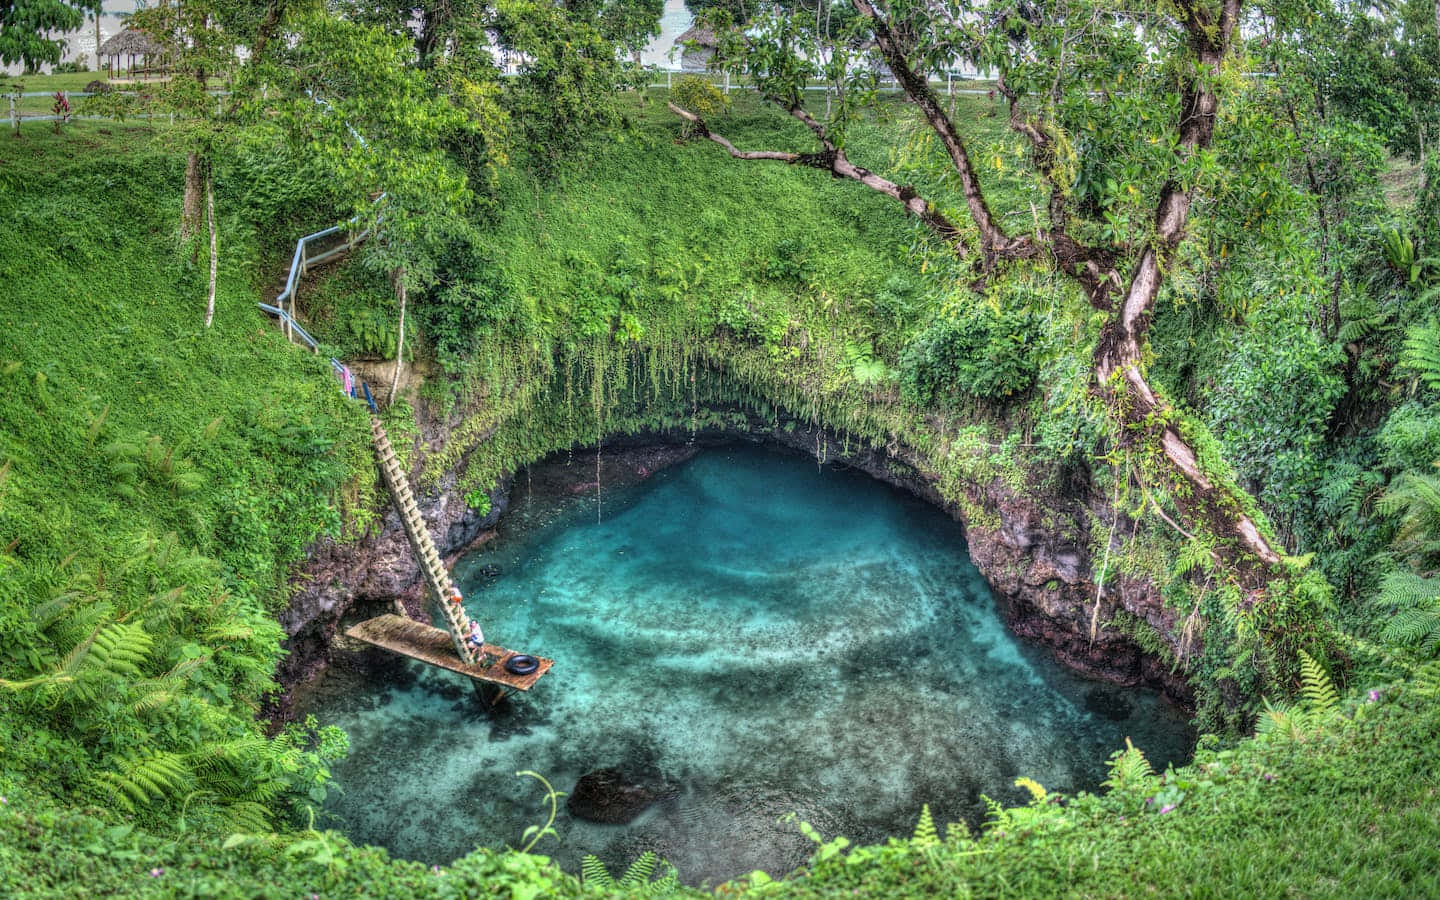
371, 575
1032, 545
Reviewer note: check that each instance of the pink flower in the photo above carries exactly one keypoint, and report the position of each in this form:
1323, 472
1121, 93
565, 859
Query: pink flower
1166, 808
157, 872
1374, 695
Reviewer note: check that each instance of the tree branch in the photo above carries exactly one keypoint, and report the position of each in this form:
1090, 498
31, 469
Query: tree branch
993, 239
700, 127
834, 160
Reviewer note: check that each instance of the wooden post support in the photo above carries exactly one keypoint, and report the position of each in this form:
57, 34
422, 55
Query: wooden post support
14, 120
489, 695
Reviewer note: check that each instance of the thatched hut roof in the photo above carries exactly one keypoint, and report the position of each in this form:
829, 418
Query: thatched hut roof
701, 35
131, 43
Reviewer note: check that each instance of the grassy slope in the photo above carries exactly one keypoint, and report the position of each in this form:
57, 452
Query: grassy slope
101, 318
157, 476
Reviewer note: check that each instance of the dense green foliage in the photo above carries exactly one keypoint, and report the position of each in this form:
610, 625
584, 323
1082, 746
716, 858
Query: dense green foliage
30, 29
579, 265
158, 481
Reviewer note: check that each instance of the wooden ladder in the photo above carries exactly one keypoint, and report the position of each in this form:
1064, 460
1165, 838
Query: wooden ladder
441, 589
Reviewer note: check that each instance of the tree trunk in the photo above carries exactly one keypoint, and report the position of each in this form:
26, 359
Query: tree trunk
192, 210
214, 250
1118, 359
400, 337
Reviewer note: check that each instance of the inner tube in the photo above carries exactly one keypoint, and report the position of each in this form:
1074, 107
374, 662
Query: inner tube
521, 664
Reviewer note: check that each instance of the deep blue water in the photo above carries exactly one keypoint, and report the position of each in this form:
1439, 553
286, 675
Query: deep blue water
752, 635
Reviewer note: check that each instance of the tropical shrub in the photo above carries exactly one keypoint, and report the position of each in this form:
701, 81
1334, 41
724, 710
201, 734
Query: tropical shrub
975, 353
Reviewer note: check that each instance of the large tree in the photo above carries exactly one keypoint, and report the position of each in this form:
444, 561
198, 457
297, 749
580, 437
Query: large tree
1089, 86
32, 31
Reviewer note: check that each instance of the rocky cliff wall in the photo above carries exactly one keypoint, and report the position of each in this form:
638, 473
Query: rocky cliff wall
1030, 542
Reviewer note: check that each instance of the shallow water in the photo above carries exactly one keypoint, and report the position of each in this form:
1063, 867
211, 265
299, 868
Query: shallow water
749, 635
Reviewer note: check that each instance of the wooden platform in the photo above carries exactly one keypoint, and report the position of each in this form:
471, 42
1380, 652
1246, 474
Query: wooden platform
432, 645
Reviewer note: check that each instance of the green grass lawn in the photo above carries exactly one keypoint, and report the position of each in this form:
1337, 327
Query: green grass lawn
70, 83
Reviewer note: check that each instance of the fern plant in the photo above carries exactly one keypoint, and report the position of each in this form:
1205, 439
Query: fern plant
141, 779
1320, 696
1415, 498
926, 835
1363, 316
1413, 604
1297, 722
1401, 255
636, 882
1129, 769
1421, 352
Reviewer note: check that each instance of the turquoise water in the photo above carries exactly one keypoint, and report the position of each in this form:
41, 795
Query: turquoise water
748, 635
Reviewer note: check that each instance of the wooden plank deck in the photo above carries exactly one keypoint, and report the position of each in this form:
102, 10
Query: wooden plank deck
432, 645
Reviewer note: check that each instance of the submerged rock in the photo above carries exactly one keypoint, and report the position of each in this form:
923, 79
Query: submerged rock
607, 796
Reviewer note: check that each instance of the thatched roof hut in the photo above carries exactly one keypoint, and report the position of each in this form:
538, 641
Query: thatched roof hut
697, 47
130, 44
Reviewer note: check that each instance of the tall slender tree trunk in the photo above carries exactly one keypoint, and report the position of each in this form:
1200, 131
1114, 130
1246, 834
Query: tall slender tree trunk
214, 250
192, 212
400, 337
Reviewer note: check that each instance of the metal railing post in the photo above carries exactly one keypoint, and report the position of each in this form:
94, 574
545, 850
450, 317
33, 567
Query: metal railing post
14, 120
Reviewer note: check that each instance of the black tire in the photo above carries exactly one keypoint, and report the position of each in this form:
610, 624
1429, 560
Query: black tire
521, 664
